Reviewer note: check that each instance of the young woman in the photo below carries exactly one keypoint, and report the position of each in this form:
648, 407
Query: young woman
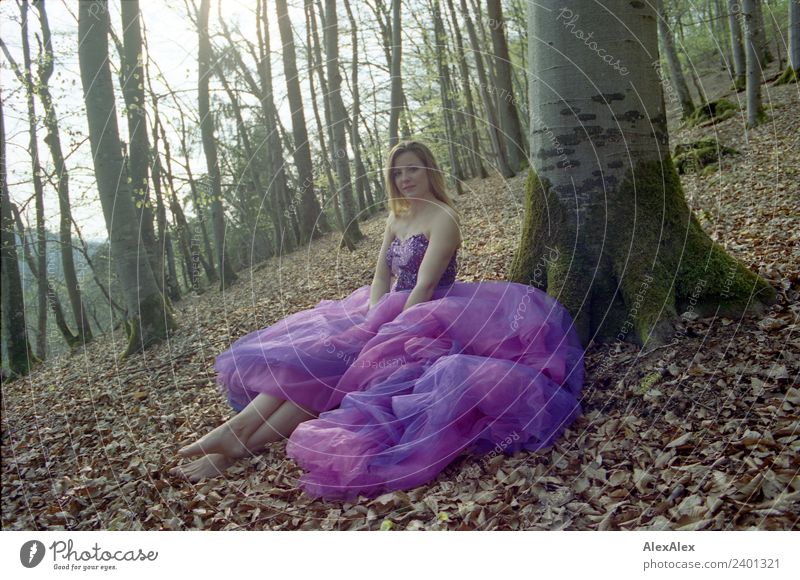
381, 390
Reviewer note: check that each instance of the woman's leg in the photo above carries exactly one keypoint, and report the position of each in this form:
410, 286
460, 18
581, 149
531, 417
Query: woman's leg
230, 438
279, 426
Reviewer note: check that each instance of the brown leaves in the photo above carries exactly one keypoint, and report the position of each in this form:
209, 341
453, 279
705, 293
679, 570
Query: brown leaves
712, 443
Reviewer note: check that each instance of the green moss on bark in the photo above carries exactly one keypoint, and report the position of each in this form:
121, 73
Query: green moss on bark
641, 259
159, 318
667, 264
712, 112
542, 209
788, 76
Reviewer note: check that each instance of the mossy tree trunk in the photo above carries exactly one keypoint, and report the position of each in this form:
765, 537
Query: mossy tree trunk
607, 229
150, 316
737, 48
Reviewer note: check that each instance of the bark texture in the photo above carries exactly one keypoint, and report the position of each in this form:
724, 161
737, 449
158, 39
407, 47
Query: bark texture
607, 229
150, 316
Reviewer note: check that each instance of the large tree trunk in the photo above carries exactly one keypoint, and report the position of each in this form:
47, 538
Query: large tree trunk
674, 63
754, 64
737, 47
516, 142
226, 274
150, 314
53, 141
312, 221
498, 146
607, 230
20, 355
339, 123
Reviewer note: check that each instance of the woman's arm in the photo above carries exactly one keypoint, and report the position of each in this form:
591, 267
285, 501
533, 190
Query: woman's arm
382, 279
445, 238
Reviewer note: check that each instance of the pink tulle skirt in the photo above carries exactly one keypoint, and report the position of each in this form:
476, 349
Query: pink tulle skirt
479, 366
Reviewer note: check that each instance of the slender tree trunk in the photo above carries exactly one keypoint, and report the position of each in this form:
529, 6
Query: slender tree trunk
723, 38
150, 314
312, 220
760, 35
315, 65
397, 82
158, 174
440, 43
20, 354
739, 62
139, 150
204, 69
52, 295
474, 136
282, 220
38, 189
172, 285
628, 282
53, 141
754, 64
363, 192
250, 213
200, 208
484, 84
516, 142
674, 63
339, 122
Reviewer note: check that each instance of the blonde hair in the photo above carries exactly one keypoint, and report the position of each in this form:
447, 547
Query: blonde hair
397, 203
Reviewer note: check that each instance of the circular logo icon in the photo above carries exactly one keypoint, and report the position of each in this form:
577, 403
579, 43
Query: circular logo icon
31, 553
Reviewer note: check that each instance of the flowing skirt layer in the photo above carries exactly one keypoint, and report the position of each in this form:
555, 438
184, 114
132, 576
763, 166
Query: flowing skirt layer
478, 366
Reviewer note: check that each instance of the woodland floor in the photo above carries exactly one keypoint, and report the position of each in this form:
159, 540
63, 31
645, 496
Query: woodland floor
699, 434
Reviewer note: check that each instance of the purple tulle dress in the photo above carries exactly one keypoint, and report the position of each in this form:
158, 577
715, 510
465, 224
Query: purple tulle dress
479, 366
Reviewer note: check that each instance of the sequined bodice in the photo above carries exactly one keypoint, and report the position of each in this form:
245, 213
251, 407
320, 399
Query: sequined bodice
404, 258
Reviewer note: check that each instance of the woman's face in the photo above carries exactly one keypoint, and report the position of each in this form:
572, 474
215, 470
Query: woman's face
410, 175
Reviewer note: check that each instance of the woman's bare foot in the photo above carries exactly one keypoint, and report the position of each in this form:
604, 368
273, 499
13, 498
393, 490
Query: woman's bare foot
209, 466
226, 439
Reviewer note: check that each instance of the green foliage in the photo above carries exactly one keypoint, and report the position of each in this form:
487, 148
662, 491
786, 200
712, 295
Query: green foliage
699, 155
712, 112
789, 76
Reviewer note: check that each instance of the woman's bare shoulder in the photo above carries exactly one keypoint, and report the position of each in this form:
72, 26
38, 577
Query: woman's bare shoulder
447, 221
